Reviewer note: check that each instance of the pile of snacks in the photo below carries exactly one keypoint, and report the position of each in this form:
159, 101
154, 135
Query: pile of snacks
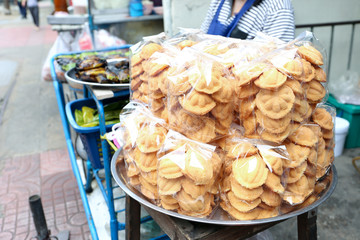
245, 124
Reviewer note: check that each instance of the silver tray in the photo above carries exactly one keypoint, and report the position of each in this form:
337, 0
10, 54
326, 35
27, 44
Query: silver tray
74, 81
219, 217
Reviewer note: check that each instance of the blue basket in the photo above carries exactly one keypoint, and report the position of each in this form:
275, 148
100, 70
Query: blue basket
90, 136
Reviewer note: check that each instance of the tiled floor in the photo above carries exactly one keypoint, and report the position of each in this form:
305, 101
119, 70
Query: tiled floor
48, 174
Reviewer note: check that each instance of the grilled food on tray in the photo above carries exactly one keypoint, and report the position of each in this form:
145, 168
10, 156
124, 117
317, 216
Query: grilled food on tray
97, 75
114, 69
90, 63
97, 67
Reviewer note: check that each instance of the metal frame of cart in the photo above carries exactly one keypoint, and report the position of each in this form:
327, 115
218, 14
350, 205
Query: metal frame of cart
106, 191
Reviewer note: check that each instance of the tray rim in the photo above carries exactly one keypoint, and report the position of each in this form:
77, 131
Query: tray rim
121, 182
102, 85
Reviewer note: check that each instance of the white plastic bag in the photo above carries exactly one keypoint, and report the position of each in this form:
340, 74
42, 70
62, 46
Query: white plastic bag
65, 42
347, 88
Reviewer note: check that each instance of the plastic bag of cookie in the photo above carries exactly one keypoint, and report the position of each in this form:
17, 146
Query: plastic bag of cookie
280, 89
156, 71
304, 147
144, 135
324, 116
200, 97
253, 183
188, 173
141, 52
320, 185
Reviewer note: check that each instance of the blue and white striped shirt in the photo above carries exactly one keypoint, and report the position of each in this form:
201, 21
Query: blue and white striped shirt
272, 17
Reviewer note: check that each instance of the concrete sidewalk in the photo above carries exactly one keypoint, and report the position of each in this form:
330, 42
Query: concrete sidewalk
33, 154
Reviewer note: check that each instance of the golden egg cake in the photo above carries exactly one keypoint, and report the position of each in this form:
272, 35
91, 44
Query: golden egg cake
192, 189
242, 205
270, 198
311, 54
293, 67
294, 174
315, 91
197, 103
273, 125
149, 50
243, 192
304, 136
168, 186
226, 93
275, 104
323, 118
273, 161
247, 91
297, 154
169, 166
271, 79
151, 138
273, 182
250, 172
198, 167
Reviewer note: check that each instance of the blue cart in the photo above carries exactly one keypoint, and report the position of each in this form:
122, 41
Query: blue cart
98, 150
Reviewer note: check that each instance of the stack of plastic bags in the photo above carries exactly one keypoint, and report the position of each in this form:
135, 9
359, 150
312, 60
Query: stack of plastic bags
221, 124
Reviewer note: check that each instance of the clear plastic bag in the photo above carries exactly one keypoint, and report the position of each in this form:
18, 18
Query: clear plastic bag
143, 136
139, 62
188, 175
303, 148
347, 88
254, 178
200, 96
324, 116
279, 89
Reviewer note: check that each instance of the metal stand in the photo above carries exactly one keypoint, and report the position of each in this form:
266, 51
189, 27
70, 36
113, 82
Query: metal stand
306, 224
43, 233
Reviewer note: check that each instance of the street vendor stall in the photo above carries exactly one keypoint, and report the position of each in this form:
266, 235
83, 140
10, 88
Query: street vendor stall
218, 132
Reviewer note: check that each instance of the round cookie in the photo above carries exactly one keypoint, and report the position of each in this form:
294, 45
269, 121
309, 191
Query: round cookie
323, 118
304, 136
250, 172
197, 103
275, 104
271, 79
170, 169
311, 54
192, 189
198, 167
242, 205
168, 186
270, 198
243, 192
273, 182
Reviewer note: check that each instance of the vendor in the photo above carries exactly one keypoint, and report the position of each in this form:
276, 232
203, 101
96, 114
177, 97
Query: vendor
244, 18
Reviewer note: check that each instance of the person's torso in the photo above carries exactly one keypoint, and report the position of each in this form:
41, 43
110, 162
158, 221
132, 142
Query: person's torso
254, 20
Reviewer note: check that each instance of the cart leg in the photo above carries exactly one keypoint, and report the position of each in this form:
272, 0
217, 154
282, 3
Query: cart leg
89, 177
132, 224
306, 224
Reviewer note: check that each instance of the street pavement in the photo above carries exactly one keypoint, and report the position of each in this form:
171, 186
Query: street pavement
33, 155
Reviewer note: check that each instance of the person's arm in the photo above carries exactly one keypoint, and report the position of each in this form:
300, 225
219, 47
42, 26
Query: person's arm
23, 3
280, 24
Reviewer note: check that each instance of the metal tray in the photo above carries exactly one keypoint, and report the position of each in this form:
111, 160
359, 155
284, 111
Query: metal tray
219, 217
71, 78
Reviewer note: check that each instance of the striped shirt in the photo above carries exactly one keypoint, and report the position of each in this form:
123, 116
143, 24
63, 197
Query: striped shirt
272, 17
